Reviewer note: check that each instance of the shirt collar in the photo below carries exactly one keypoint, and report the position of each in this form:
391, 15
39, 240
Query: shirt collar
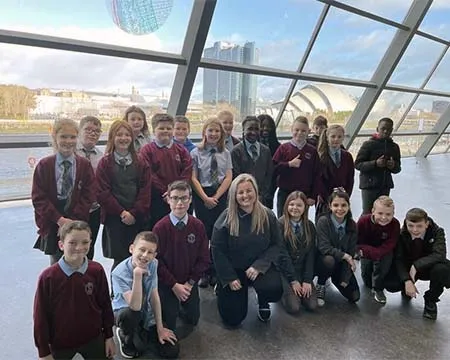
248, 144
60, 158
82, 148
174, 220
298, 146
209, 147
127, 157
158, 144
336, 224
334, 151
69, 271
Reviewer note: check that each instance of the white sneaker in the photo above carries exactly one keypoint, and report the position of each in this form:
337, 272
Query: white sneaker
320, 291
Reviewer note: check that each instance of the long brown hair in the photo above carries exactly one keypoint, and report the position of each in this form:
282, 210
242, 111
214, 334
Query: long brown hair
136, 109
288, 234
323, 150
113, 130
213, 121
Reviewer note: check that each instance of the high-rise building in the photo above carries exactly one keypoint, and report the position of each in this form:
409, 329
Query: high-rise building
234, 88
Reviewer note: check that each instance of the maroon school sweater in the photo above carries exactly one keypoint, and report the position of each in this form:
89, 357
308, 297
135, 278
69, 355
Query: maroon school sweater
71, 311
333, 177
182, 254
374, 240
167, 164
304, 178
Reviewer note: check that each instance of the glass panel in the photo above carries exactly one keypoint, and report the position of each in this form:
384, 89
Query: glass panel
424, 114
417, 62
242, 94
388, 9
335, 102
439, 80
153, 25
436, 20
442, 145
390, 104
408, 144
262, 32
354, 51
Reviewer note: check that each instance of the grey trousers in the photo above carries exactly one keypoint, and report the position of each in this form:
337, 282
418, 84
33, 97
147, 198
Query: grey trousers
292, 302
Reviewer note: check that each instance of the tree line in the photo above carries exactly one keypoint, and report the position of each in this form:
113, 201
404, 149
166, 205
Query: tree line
16, 101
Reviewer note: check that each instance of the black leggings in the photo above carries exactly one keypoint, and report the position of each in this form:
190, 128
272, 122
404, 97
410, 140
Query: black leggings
233, 305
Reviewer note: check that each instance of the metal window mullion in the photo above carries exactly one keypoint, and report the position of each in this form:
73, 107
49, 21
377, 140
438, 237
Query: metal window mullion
431, 140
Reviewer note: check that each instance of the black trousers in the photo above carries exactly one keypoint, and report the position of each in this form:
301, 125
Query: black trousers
233, 305
374, 272
327, 266
281, 200
171, 306
438, 275
94, 224
368, 196
130, 322
159, 208
94, 349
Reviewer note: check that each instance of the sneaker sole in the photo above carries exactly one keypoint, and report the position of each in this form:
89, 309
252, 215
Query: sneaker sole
264, 319
119, 339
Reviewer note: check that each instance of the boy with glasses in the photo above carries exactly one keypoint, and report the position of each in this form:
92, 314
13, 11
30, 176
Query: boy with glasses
183, 257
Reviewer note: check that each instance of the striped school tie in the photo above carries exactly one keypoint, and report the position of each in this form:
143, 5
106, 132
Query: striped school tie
67, 181
214, 169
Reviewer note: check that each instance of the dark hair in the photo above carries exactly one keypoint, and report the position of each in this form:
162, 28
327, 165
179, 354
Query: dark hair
148, 236
113, 130
180, 185
134, 108
160, 117
320, 120
182, 119
76, 225
272, 140
90, 119
416, 215
387, 120
341, 193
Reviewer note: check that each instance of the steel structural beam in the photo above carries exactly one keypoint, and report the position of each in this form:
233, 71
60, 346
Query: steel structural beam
431, 140
194, 42
425, 82
385, 68
287, 74
365, 14
57, 43
302, 64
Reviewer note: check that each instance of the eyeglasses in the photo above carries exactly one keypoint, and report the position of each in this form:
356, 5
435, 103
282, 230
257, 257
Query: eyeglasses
183, 199
92, 131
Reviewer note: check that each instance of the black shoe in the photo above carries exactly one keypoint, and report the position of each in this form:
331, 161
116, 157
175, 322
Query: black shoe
204, 282
430, 310
128, 351
379, 296
264, 312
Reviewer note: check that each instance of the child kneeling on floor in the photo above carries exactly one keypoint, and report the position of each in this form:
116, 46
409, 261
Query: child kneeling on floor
136, 304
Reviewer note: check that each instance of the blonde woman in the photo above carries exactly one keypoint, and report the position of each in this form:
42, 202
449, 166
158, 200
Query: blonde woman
245, 246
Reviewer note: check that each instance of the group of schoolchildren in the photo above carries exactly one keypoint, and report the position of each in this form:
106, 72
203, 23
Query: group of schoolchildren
144, 191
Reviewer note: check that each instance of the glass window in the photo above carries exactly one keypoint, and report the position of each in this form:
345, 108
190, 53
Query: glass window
393, 10
439, 79
442, 145
153, 25
242, 94
335, 102
353, 51
264, 32
408, 144
390, 104
417, 62
436, 21
425, 113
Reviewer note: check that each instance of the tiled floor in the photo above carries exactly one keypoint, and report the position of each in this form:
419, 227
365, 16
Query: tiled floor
338, 331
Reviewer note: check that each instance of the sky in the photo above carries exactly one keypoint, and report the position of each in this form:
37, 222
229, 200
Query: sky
348, 45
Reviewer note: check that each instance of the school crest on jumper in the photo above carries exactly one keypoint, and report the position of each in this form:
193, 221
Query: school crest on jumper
177, 157
191, 238
89, 288
308, 156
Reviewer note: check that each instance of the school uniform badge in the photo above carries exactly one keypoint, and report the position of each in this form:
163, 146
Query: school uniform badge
89, 288
177, 157
308, 156
431, 241
191, 238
